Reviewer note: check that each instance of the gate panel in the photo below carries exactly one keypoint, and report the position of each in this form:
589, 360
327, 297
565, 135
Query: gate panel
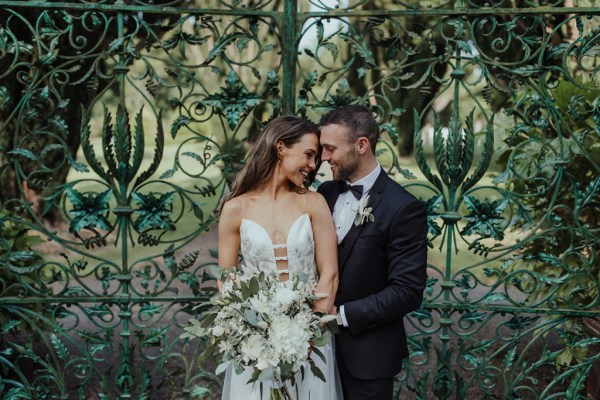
123, 123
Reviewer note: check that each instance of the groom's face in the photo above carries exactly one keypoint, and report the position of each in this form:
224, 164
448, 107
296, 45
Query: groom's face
339, 151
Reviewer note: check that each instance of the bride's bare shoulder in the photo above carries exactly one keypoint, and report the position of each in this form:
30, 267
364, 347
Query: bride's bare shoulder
233, 209
316, 201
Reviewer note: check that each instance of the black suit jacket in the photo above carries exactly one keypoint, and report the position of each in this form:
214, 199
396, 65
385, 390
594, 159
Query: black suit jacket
382, 276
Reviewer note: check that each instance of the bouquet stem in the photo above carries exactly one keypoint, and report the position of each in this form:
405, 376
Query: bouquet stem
280, 393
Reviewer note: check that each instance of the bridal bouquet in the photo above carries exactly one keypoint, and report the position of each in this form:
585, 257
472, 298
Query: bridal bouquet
261, 322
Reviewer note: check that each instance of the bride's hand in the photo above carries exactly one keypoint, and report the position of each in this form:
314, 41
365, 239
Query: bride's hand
322, 303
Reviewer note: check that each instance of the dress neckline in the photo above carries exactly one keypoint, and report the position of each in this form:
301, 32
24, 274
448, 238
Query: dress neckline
287, 237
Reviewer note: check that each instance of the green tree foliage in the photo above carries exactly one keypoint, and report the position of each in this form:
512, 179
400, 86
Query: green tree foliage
551, 158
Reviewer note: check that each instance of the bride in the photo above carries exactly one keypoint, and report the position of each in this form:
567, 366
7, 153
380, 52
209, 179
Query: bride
278, 225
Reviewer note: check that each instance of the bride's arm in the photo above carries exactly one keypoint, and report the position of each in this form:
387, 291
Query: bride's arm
325, 252
229, 235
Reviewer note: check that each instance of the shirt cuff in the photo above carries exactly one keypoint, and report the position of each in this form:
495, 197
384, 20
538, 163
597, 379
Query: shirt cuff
343, 315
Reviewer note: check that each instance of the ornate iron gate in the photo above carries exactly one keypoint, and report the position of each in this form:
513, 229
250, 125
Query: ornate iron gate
122, 121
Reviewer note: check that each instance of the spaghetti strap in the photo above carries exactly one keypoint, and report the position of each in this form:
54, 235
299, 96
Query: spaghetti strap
243, 210
306, 202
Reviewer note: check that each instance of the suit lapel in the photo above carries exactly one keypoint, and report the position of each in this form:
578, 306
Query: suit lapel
332, 198
346, 245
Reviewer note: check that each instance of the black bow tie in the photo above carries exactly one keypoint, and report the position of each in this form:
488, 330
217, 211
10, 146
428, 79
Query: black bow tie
356, 190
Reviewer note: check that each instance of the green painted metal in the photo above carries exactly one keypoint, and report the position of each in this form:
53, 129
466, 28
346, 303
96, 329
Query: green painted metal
123, 123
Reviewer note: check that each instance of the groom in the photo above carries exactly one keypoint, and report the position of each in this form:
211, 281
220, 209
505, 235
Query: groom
382, 255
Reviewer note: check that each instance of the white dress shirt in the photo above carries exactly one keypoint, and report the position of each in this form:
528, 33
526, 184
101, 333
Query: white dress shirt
346, 205
345, 210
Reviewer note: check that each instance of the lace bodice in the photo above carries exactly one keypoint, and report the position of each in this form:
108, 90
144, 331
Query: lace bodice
258, 250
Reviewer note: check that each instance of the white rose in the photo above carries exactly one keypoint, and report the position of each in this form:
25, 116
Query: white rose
252, 347
285, 296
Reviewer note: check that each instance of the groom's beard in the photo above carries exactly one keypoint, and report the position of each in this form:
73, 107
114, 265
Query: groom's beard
346, 167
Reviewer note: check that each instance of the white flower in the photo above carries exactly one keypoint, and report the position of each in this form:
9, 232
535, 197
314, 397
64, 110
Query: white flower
225, 347
302, 319
262, 363
300, 337
363, 214
259, 304
285, 297
218, 330
226, 287
280, 327
271, 328
262, 325
252, 347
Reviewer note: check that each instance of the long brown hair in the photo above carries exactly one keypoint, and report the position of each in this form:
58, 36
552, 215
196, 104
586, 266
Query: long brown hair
260, 164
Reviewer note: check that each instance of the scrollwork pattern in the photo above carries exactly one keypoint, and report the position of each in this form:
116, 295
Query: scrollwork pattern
128, 120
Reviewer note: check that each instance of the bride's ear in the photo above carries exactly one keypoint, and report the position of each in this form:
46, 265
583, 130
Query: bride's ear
280, 148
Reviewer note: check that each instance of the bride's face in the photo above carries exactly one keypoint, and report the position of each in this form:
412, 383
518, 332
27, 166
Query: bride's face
298, 160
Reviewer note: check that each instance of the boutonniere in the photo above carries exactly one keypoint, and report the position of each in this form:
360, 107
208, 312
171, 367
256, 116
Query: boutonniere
363, 214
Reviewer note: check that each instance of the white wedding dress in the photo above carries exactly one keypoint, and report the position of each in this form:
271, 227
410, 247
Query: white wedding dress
259, 254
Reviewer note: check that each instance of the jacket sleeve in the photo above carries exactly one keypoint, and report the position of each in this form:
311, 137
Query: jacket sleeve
325, 188
407, 273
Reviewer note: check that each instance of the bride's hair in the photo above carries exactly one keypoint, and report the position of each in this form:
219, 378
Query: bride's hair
260, 164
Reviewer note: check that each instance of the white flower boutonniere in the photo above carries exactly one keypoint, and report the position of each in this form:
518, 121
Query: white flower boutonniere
363, 214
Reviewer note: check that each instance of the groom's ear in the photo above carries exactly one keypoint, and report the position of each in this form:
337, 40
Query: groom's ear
363, 145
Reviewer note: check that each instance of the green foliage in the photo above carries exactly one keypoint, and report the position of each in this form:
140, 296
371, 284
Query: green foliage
551, 161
